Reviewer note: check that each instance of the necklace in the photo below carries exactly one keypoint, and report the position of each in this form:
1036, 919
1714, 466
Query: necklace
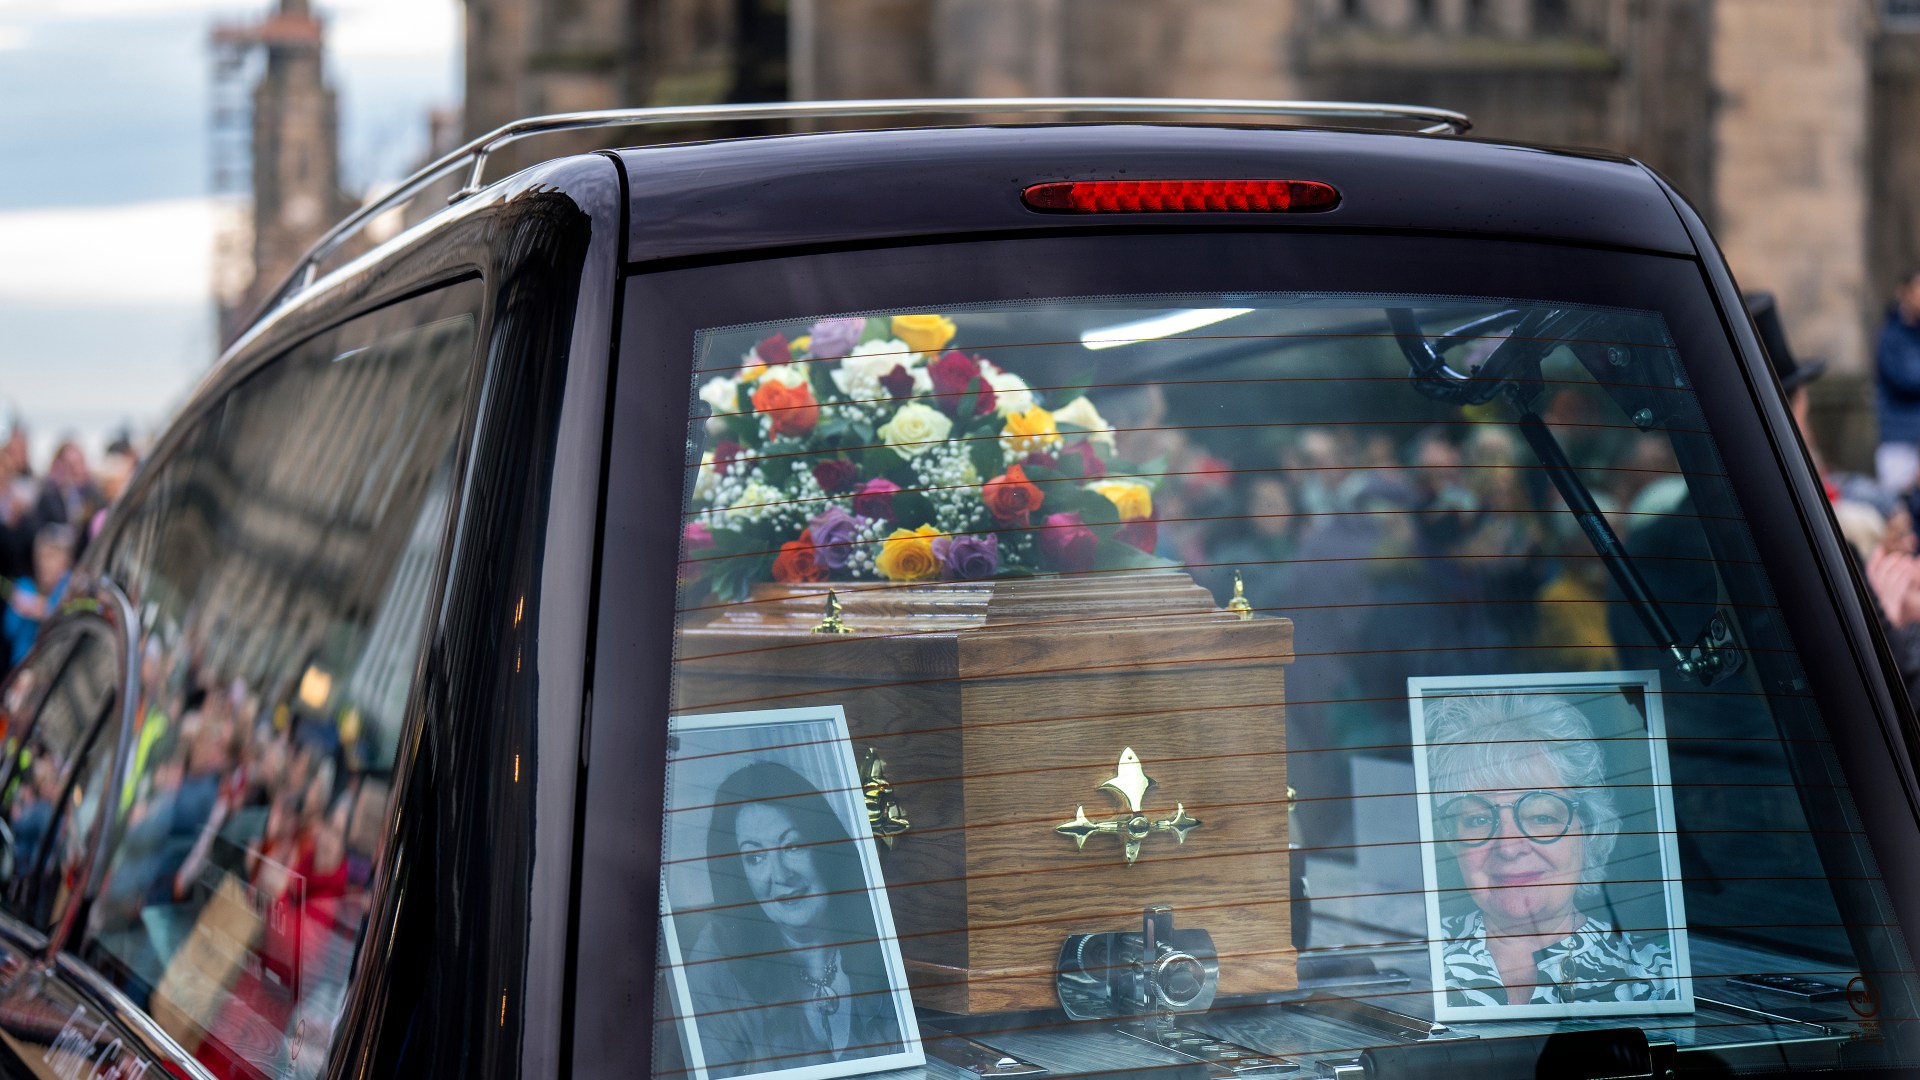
825, 997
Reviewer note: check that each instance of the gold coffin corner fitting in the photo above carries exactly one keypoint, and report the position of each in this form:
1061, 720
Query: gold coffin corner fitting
1240, 605
1129, 783
832, 624
884, 812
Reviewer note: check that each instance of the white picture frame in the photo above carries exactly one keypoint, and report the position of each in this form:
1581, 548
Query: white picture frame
716, 1034
1636, 895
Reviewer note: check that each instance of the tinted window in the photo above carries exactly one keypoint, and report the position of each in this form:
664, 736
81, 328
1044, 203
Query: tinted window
1419, 653
285, 556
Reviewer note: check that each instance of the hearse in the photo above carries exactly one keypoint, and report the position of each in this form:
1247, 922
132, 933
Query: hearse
1133, 588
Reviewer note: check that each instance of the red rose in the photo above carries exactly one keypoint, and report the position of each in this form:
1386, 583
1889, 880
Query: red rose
1080, 459
796, 562
1068, 544
1011, 497
1143, 533
835, 474
874, 499
791, 408
1040, 459
774, 350
724, 452
899, 382
951, 375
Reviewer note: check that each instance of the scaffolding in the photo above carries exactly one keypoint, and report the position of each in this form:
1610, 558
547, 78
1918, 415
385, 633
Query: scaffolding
238, 53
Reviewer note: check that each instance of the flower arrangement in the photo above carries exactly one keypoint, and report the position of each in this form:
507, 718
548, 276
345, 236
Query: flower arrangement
868, 449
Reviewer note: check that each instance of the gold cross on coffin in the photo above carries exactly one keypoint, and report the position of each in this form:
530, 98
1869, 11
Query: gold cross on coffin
1130, 783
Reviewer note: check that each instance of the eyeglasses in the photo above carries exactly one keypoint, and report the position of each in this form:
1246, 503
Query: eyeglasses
1541, 816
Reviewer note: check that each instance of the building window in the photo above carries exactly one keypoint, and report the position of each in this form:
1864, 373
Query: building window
1551, 17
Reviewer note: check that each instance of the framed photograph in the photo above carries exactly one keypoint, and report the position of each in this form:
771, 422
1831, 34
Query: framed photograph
781, 958
1551, 868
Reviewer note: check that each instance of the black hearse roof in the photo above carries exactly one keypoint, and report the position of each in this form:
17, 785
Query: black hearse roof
709, 199
713, 198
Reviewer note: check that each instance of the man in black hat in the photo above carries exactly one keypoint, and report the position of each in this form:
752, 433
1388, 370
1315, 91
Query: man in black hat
1792, 373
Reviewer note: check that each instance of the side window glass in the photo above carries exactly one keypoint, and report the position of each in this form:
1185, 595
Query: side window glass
59, 766
284, 561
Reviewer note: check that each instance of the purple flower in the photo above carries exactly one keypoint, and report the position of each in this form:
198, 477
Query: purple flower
967, 558
833, 531
835, 337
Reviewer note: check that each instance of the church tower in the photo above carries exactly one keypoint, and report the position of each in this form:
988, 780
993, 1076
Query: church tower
295, 156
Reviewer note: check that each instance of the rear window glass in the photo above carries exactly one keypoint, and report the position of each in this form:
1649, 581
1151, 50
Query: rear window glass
1261, 680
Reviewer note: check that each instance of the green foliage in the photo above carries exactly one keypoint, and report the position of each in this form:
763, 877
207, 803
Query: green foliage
738, 559
1115, 555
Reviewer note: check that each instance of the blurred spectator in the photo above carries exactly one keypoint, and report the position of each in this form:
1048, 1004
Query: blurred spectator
1897, 376
39, 593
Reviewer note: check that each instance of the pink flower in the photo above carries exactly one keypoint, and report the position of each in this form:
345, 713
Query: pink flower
874, 499
1080, 460
1066, 543
1143, 533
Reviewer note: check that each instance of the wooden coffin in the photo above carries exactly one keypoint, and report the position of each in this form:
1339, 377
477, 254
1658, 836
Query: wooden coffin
1001, 707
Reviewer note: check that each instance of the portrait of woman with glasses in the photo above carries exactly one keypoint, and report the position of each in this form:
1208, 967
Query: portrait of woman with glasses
1524, 805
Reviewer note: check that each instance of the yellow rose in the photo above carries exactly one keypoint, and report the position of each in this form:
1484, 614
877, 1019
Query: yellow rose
915, 428
802, 344
924, 333
1134, 501
908, 556
1029, 431
753, 372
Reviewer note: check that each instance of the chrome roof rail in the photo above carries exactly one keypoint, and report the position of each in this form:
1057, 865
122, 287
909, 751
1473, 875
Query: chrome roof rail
1433, 121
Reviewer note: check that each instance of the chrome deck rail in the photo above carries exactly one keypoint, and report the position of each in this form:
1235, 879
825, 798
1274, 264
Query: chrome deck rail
1432, 121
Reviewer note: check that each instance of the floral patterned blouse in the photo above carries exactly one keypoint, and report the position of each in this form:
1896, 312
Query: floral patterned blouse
1594, 963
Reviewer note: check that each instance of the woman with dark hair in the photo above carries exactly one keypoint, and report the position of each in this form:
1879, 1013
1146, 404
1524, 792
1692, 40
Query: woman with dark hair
786, 968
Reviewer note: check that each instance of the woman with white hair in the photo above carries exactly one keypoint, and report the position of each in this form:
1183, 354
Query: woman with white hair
1522, 803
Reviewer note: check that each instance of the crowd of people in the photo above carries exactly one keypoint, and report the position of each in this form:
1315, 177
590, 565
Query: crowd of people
47, 518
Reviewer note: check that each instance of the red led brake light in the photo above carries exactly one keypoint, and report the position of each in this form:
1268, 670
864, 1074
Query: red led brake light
1152, 196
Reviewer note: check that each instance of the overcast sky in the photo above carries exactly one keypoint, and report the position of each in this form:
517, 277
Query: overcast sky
106, 225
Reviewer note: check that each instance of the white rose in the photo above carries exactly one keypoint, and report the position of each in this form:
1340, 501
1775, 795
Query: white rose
1081, 413
722, 393
704, 477
914, 428
858, 376
1010, 392
785, 375
756, 501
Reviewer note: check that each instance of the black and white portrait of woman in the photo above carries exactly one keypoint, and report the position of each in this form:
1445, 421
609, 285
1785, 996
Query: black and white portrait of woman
1551, 869
780, 940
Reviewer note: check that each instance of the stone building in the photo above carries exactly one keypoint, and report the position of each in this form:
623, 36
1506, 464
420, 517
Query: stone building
292, 150
1785, 120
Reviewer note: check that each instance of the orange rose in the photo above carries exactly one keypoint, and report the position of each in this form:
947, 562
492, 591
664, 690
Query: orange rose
796, 562
791, 408
1011, 497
